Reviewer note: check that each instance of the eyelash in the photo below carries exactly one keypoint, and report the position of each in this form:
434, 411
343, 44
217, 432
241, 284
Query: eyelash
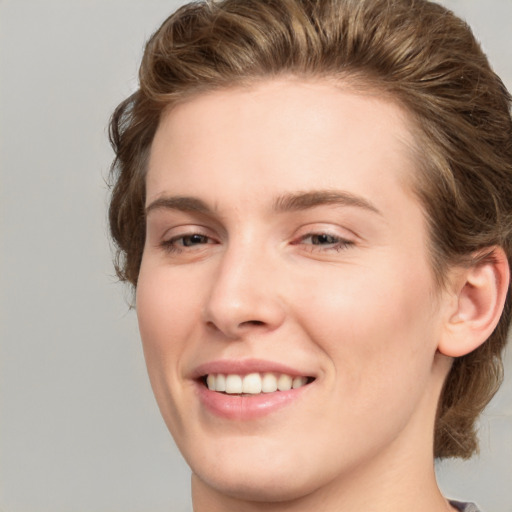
172, 245
333, 242
178, 244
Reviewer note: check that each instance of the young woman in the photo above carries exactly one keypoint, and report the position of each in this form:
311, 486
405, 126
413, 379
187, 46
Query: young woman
313, 203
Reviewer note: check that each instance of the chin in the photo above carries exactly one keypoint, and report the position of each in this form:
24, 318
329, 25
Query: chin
259, 486
260, 475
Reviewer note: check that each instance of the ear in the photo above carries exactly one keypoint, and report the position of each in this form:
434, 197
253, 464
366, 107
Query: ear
479, 297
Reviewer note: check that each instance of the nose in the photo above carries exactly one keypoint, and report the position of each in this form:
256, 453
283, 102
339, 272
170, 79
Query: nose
244, 295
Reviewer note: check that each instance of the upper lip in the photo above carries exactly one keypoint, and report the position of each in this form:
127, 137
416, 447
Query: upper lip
246, 366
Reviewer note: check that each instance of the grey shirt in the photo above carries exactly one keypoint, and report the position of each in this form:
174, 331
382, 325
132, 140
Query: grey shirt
464, 507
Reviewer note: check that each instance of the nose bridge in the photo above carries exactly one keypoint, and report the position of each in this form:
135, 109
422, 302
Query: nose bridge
243, 293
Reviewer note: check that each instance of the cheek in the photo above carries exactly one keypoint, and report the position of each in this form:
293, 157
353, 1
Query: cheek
376, 328
154, 310
166, 313
166, 310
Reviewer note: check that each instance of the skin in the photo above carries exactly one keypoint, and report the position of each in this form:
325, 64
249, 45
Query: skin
358, 309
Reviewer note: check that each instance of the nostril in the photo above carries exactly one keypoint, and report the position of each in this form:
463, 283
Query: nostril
253, 322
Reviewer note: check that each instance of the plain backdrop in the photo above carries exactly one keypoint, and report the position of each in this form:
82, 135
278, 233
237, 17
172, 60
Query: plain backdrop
79, 428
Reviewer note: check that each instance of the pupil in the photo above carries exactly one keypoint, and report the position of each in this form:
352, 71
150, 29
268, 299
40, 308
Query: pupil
192, 240
323, 239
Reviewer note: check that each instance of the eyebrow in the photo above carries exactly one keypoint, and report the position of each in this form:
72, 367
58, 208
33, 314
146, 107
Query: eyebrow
285, 203
306, 200
182, 203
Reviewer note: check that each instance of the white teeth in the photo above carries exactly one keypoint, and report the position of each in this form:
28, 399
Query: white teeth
269, 383
298, 382
253, 383
284, 383
211, 381
233, 384
220, 383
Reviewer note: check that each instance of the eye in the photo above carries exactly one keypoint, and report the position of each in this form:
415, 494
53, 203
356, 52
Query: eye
190, 240
321, 239
324, 242
186, 242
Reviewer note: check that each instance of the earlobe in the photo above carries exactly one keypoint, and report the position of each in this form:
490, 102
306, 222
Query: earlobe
480, 296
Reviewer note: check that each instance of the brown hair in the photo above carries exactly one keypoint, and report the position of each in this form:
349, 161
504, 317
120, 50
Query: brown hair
417, 52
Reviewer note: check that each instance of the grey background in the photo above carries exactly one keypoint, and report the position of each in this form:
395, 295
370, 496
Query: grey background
79, 428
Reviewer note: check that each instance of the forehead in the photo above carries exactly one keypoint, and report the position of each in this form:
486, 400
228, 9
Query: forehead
304, 134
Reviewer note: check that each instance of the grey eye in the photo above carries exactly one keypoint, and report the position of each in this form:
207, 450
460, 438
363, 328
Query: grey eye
323, 239
190, 240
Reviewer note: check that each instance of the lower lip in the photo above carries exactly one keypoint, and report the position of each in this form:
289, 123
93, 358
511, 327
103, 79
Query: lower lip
247, 407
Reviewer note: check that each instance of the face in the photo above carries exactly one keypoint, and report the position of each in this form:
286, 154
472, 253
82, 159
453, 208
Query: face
284, 249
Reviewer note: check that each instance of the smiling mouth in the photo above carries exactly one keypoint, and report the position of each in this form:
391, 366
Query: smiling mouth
253, 383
